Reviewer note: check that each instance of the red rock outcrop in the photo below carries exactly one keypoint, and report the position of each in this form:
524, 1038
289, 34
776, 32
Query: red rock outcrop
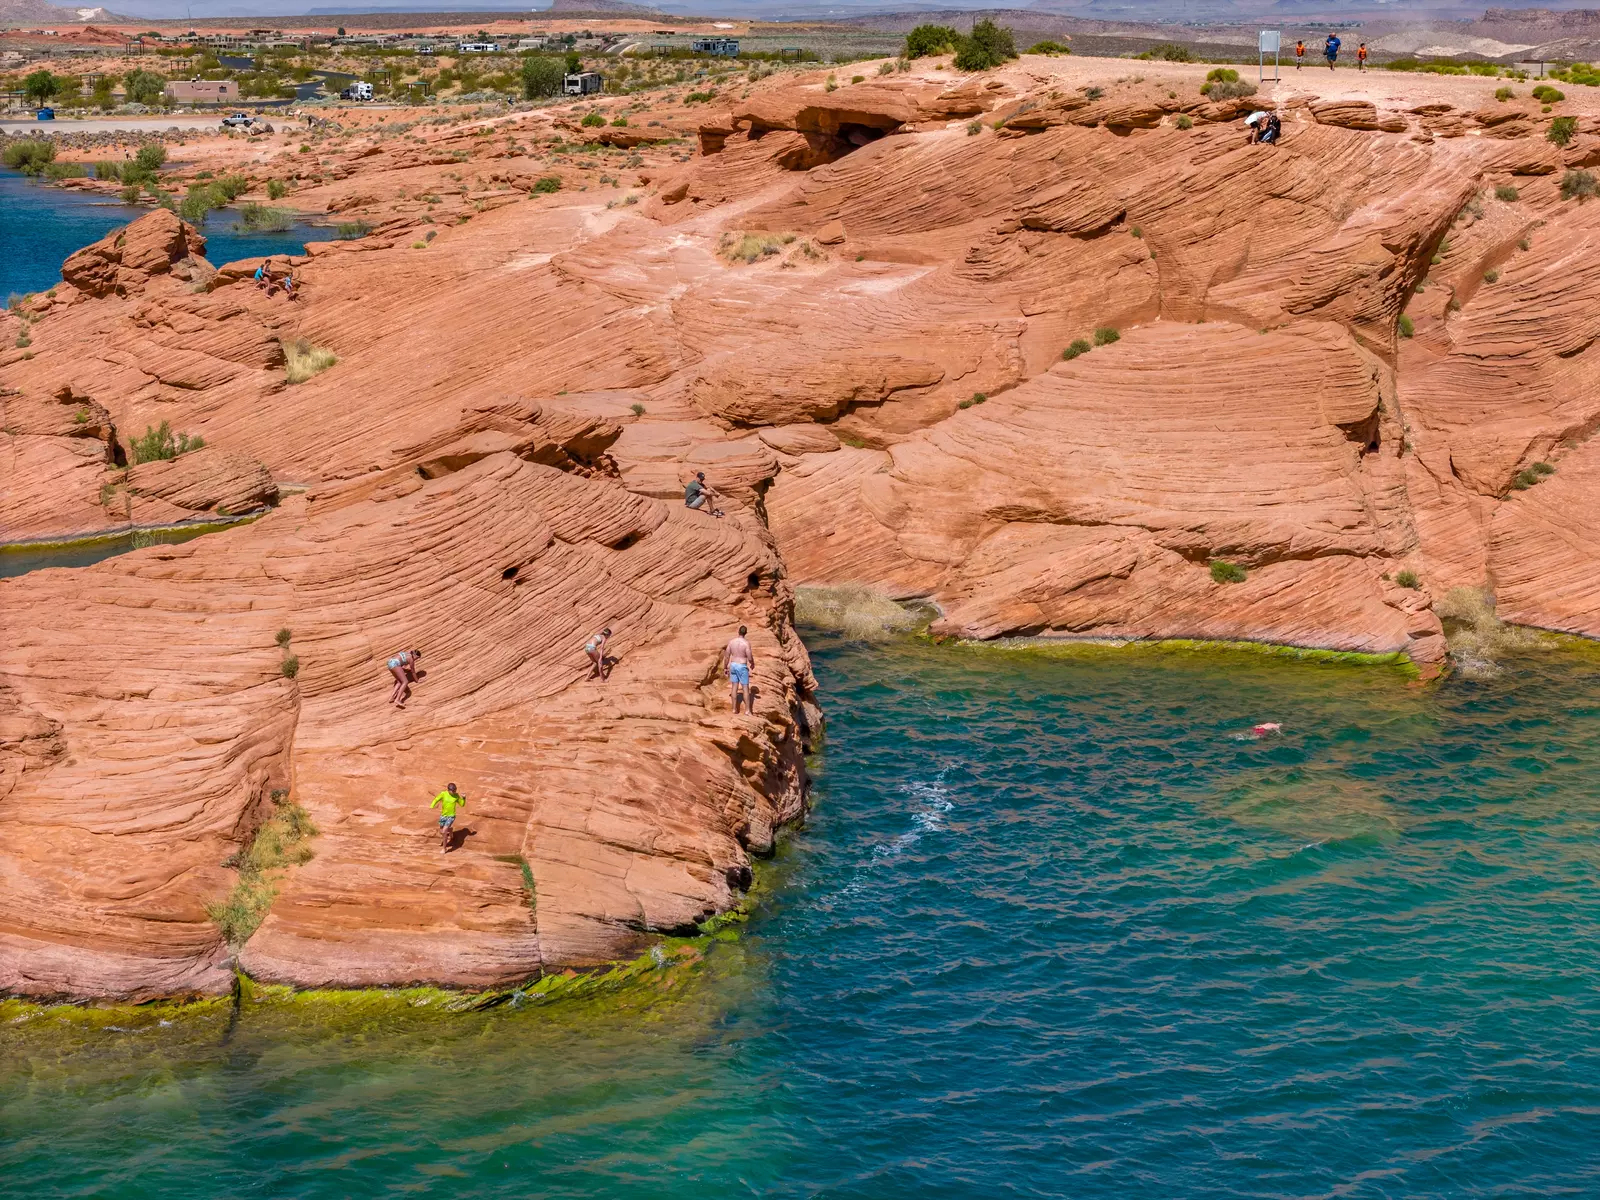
635, 803
125, 260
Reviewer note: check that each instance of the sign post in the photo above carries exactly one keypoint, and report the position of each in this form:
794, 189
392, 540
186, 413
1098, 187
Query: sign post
1267, 43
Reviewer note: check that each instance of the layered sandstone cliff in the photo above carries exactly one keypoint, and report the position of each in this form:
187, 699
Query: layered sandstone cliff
849, 309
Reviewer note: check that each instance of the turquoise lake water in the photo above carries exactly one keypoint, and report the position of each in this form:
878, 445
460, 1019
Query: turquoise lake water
1056, 927
40, 226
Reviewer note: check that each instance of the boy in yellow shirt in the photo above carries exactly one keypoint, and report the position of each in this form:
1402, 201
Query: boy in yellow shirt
447, 802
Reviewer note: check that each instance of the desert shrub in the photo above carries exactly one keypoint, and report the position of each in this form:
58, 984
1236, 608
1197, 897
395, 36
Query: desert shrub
1105, 335
194, 206
547, 184
927, 40
65, 170
638, 409
283, 637
1184, 121
160, 443
1168, 52
1503, 94
1548, 95
620, 122
592, 120
290, 666
1093, 93
708, 97
151, 156
1407, 579
1049, 47
129, 194
1491, 276
886, 68
855, 612
1475, 635
1228, 89
108, 170
277, 189
351, 230
284, 840
1079, 346
29, 157
261, 218
1562, 130
230, 188
1222, 75
977, 398
752, 247
1226, 572
1525, 244
974, 128
302, 360
1578, 185
542, 76
858, 79
1529, 476
988, 46
1406, 326
1504, 191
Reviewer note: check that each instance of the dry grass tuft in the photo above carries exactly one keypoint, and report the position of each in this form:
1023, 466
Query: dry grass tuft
302, 360
753, 247
1476, 636
856, 612
284, 840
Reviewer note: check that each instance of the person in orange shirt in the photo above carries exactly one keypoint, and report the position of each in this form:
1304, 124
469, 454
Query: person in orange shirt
1299, 54
1361, 57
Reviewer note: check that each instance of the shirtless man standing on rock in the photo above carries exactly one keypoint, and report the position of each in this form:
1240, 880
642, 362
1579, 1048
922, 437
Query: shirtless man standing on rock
738, 658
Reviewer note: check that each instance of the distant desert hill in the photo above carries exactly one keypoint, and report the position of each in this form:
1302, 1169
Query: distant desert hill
32, 12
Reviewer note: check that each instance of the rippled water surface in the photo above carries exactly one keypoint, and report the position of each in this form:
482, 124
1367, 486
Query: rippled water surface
1056, 927
40, 226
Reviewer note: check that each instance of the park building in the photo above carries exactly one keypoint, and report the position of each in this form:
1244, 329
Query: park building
202, 91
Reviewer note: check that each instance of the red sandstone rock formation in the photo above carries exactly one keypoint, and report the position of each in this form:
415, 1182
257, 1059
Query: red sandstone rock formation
850, 312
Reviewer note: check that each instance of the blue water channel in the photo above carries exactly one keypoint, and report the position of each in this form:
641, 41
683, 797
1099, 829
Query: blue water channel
1056, 927
41, 225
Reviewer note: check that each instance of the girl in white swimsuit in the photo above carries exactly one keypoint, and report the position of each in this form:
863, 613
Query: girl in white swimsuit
403, 667
595, 648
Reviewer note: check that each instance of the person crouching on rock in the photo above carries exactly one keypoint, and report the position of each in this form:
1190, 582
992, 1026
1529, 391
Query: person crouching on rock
403, 667
262, 277
447, 802
700, 496
595, 648
738, 658
1265, 127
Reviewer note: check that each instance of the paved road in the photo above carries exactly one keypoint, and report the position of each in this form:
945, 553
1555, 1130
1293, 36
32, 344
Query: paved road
113, 124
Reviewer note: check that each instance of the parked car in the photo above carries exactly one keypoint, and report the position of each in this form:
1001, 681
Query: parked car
238, 121
357, 91
46, 114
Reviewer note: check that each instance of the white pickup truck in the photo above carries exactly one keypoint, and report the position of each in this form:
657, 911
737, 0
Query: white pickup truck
238, 121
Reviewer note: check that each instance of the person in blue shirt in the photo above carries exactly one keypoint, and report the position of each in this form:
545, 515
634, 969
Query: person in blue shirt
1331, 49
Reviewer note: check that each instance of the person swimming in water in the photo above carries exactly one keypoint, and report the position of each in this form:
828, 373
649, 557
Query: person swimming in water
595, 648
403, 667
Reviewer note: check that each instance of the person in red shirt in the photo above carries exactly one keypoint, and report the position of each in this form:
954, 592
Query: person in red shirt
1361, 57
1299, 54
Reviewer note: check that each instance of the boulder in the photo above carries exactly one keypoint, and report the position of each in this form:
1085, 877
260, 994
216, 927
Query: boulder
125, 259
1351, 114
